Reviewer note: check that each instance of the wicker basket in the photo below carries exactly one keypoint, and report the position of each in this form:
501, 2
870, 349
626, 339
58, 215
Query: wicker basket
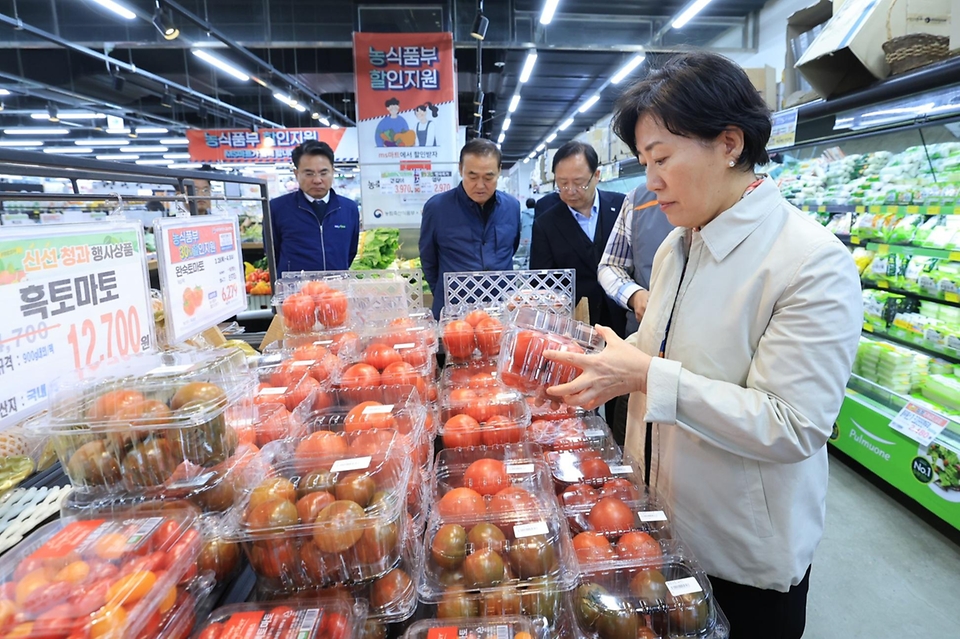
914, 50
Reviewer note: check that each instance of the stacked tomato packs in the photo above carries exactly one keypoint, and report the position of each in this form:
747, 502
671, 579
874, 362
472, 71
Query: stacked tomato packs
320, 619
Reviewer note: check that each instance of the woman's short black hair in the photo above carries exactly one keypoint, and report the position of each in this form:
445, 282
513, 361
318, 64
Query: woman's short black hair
698, 95
531, 203
312, 147
576, 147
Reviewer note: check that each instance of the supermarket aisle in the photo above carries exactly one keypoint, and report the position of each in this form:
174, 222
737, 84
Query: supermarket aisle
880, 571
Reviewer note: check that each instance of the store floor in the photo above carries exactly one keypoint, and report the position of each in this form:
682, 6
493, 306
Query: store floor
880, 570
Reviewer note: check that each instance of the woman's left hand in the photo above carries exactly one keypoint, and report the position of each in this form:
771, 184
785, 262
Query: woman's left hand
619, 369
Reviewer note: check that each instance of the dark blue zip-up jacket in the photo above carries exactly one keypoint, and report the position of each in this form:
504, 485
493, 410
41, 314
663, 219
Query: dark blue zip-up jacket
301, 243
454, 237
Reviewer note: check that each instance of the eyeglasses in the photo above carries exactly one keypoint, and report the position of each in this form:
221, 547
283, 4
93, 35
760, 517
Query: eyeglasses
575, 187
312, 174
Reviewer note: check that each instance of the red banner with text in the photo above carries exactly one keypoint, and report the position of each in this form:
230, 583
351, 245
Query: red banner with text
266, 146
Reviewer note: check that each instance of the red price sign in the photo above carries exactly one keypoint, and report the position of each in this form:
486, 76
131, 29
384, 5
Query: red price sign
919, 424
73, 295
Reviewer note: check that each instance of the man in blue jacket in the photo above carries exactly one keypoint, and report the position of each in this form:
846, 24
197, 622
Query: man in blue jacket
473, 227
314, 229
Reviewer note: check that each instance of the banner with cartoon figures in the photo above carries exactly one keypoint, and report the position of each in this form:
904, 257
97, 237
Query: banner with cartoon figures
406, 123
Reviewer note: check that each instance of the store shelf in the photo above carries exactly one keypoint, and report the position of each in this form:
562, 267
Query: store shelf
947, 354
256, 246
882, 209
949, 299
903, 249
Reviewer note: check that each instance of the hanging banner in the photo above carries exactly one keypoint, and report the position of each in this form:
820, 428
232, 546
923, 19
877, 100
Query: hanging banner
201, 273
73, 296
406, 123
267, 146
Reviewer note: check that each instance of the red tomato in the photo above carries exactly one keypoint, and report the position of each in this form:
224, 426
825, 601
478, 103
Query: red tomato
416, 355
110, 403
273, 423
335, 626
486, 476
622, 488
380, 356
322, 444
323, 400
371, 443
403, 374
298, 393
459, 340
366, 416
594, 469
213, 631
513, 500
348, 339
314, 288
611, 517
360, 382
299, 313
482, 380
488, 333
527, 358
461, 431
461, 502
286, 374
460, 397
640, 545
485, 405
579, 495
473, 318
500, 430
332, 309
593, 547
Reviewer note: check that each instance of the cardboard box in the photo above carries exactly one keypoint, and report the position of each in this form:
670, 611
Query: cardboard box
847, 55
765, 80
795, 89
955, 25
919, 16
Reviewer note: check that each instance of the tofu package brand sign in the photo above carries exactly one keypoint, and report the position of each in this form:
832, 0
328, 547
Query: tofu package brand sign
847, 55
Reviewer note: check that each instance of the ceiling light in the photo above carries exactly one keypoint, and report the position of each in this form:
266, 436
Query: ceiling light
158, 161
528, 66
133, 132
290, 102
68, 149
174, 141
4, 92
117, 8
514, 103
526, 160
223, 65
628, 68
551, 138
540, 147
532, 155
102, 142
35, 130
163, 21
152, 129
506, 124
501, 138
70, 115
300, 108
145, 148
589, 103
52, 113
117, 156
185, 165
334, 126
177, 156
566, 123
19, 143
549, 8
480, 24
688, 15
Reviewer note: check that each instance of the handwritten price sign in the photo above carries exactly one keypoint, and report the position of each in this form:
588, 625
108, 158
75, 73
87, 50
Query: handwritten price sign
201, 273
919, 424
72, 296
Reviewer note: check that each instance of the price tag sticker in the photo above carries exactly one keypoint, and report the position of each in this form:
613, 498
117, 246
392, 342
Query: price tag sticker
169, 370
520, 469
951, 297
529, 530
647, 516
854, 239
593, 432
273, 390
405, 345
73, 296
919, 424
378, 410
356, 463
201, 273
684, 586
621, 470
303, 362
784, 130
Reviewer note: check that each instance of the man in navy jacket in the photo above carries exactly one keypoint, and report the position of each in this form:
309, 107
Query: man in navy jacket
473, 227
314, 229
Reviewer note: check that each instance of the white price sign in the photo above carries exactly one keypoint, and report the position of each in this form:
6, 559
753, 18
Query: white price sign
73, 296
201, 273
919, 424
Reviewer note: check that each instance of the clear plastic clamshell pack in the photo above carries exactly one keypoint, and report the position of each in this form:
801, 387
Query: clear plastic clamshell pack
500, 627
151, 421
472, 331
486, 414
571, 433
335, 618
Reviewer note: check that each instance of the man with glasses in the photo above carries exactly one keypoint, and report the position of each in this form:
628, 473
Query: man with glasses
573, 232
473, 227
314, 229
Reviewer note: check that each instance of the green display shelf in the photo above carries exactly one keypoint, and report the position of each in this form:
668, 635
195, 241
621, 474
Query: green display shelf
949, 299
881, 209
901, 249
898, 336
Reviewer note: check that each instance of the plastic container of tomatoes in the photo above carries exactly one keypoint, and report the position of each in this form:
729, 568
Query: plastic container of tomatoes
324, 509
547, 300
487, 415
521, 363
194, 601
336, 618
310, 305
471, 331
318, 360
473, 374
551, 411
592, 466
331, 339
133, 424
571, 433
108, 576
507, 627
289, 384
413, 339
487, 470
665, 597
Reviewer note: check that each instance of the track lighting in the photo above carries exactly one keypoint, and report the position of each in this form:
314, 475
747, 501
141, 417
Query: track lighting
52, 112
480, 24
163, 21
166, 100
133, 132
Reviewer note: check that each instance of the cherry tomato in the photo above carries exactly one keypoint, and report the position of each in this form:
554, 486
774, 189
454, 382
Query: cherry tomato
272, 488
273, 422
391, 590
300, 391
271, 517
314, 288
347, 339
335, 626
449, 546
377, 541
482, 380
275, 558
319, 450
357, 487
486, 476
299, 313
213, 631
403, 374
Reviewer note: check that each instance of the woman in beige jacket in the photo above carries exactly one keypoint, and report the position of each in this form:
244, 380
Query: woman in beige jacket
738, 370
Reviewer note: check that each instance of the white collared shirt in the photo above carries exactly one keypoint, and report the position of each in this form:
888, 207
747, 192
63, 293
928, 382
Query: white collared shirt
325, 199
588, 224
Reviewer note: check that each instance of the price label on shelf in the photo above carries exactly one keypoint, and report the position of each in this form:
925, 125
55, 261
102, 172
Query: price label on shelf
201, 273
919, 424
73, 296
784, 130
